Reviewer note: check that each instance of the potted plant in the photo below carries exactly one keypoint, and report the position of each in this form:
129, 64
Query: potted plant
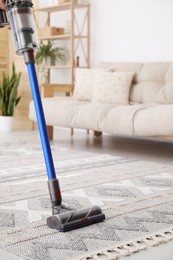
48, 55
8, 99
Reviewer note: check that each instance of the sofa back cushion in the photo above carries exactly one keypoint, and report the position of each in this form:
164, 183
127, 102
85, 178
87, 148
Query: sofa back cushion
153, 82
112, 87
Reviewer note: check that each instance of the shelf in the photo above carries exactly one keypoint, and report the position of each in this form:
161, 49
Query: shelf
54, 37
58, 67
3, 66
60, 7
61, 37
63, 67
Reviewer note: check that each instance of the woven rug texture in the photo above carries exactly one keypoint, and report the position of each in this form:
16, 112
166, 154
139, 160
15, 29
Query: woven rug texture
136, 197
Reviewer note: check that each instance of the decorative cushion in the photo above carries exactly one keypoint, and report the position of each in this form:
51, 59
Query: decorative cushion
112, 87
85, 81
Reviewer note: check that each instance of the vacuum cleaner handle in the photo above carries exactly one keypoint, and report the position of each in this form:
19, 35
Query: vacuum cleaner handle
24, 35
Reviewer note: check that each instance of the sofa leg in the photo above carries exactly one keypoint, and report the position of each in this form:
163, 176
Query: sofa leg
33, 125
50, 132
72, 131
97, 133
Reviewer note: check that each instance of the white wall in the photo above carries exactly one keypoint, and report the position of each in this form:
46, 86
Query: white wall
132, 30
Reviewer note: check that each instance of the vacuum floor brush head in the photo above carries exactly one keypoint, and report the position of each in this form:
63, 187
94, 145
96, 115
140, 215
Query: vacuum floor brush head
67, 219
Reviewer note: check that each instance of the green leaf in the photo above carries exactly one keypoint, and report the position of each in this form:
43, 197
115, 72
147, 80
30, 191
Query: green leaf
9, 92
47, 50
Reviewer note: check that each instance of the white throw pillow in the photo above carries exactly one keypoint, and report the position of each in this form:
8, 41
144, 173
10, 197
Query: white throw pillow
112, 87
84, 85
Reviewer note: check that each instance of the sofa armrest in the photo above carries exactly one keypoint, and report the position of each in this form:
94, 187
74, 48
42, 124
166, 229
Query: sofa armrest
48, 90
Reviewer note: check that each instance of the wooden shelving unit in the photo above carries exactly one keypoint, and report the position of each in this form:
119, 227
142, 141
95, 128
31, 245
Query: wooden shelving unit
76, 35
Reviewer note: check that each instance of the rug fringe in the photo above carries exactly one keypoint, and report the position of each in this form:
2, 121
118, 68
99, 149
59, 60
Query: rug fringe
126, 249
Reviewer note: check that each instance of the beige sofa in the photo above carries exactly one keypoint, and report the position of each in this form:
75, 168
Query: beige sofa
146, 110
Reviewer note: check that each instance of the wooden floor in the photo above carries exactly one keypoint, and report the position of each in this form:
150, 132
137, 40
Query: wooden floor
145, 149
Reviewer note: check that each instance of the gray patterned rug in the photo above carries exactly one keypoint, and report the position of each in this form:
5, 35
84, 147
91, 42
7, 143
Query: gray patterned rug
136, 196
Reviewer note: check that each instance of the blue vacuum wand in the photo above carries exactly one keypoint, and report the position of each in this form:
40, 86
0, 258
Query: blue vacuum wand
24, 34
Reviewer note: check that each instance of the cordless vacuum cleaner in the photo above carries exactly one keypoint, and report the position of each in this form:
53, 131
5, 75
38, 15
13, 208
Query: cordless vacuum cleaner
22, 24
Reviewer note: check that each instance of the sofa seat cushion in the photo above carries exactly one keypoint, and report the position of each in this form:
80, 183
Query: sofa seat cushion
154, 120
149, 119
58, 111
90, 115
120, 119
72, 113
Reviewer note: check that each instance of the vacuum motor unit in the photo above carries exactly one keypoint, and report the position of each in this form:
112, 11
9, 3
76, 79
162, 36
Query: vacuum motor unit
22, 25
